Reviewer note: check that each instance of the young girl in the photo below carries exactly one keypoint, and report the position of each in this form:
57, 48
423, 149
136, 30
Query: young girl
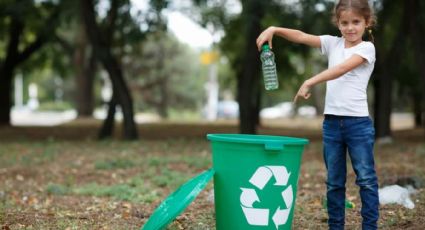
347, 125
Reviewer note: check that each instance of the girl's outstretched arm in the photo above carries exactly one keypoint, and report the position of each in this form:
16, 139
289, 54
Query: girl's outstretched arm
329, 74
296, 36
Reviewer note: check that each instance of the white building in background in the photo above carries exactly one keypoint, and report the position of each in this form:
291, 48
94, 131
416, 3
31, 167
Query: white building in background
19, 91
106, 90
28, 115
33, 102
212, 88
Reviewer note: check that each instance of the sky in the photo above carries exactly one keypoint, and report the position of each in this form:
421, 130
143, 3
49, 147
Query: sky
188, 31
185, 29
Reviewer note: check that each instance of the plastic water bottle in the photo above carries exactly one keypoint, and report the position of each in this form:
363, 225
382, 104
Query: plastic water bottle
269, 68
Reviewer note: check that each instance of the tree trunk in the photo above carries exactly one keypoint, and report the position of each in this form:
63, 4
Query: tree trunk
382, 107
102, 49
14, 57
248, 84
7, 71
85, 68
384, 81
163, 103
108, 126
417, 110
163, 87
417, 32
123, 97
6, 75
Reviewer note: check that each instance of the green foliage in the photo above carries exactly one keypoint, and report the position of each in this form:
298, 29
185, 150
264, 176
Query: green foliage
166, 75
303, 15
33, 16
408, 82
55, 106
165, 72
183, 114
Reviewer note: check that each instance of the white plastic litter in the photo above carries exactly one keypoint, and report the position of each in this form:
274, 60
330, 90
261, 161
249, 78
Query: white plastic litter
395, 194
210, 196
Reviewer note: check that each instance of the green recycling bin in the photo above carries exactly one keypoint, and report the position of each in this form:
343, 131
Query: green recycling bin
255, 180
255, 183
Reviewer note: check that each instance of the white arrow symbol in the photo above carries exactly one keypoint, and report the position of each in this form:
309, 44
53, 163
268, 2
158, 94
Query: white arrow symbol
280, 216
256, 216
248, 197
280, 174
261, 177
259, 216
288, 197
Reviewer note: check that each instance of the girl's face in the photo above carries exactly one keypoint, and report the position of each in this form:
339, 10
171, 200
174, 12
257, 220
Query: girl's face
352, 27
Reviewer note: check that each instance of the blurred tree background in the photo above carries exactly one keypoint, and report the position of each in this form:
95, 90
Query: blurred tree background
75, 50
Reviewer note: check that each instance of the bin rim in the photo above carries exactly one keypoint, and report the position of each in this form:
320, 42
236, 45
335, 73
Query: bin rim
257, 139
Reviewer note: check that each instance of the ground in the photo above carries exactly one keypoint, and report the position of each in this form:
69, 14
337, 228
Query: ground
63, 178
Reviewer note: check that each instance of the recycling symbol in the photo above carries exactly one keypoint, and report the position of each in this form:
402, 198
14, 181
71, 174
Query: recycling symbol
260, 216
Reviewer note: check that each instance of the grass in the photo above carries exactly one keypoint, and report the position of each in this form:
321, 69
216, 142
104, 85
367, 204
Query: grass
114, 164
34, 153
86, 184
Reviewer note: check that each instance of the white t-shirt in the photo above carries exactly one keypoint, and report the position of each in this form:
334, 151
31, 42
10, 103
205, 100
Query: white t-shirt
346, 95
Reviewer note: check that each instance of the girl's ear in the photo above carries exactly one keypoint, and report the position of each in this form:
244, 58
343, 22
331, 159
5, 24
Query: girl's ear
370, 34
368, 23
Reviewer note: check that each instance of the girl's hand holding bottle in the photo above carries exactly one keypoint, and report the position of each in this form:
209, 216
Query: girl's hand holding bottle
265, 36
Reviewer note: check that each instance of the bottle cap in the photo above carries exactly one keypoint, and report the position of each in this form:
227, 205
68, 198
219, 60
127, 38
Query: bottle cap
265, 47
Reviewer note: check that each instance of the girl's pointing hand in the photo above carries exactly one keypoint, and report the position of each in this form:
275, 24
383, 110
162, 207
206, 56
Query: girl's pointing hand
303, 92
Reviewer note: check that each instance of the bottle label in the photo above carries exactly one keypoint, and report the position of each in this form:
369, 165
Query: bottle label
269, 72
268, 62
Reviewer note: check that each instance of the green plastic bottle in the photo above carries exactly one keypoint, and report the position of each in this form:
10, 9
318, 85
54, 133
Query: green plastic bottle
348, 204
269, 68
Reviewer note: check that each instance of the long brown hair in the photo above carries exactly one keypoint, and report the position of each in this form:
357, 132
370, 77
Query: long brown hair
360, 7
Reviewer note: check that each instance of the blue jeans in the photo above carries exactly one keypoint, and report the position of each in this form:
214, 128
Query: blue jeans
355, 134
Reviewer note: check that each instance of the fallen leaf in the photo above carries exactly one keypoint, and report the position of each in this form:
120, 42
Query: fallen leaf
20, 177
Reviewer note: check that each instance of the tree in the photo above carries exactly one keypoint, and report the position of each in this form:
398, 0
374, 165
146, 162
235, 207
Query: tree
238, 45
399, 36
416, 19
390, 44
168, 77
22, 18
249, 93
83, 61
101, 40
